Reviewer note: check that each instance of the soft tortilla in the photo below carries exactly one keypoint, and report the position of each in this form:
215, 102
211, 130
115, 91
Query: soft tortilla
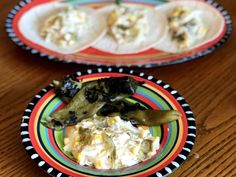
211, 18
32, 21
157, 30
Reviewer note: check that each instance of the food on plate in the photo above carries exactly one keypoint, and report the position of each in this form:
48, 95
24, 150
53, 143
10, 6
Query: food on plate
126, 25
105, 97
138, 114
104, 129
185, 27
65, 28
90, 97
110, 143
67, 88
131, 28
62, 28
124, 28
190, 24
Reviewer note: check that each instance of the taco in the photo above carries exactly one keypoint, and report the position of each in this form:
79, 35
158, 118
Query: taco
131, 28
190, 25
62, 28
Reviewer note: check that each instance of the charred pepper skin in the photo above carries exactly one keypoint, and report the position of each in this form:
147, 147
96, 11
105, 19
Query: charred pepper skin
122, 106
86, 99
67, 88
110, 89
104, 97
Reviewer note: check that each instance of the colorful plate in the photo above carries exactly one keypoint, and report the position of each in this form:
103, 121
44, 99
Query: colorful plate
177, 138
93, 56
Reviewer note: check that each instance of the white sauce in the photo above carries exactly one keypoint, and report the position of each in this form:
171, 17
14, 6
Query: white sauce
110, 143
128, 25
186, 27
64, 28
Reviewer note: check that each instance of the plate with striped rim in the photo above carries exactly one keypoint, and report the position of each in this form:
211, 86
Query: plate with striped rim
148, 58
45, 146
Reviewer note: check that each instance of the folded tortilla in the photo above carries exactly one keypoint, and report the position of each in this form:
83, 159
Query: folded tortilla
32, 21
211, 18
157, 29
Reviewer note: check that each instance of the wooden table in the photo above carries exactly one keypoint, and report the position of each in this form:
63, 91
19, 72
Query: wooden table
208, 84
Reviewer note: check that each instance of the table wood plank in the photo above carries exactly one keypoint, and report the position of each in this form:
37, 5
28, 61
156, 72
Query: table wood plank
208, 84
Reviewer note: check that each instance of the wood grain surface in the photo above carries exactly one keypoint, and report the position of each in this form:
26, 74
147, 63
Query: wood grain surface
208, 84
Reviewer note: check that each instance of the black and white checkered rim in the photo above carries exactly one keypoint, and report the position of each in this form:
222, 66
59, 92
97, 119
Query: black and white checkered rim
182, 156
22, 3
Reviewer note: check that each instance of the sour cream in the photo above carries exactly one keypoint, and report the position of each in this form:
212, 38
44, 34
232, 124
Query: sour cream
110, 143
186, 27
127, 25
64, 28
